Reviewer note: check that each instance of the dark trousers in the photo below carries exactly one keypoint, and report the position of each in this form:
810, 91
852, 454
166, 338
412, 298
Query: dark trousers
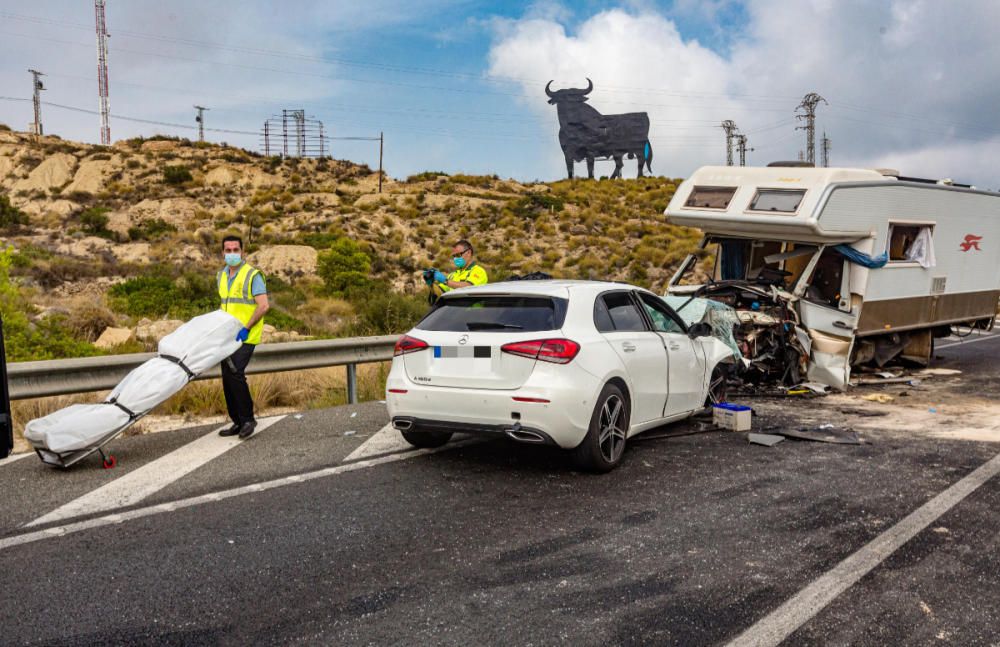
234, 385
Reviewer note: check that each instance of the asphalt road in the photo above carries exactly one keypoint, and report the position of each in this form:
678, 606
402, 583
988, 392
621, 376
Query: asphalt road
692, 541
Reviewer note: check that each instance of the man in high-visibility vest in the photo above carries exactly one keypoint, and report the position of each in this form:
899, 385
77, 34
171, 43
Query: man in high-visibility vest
243, 294
467, 271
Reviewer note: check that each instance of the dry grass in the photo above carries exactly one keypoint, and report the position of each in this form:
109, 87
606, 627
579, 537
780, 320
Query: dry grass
312, 389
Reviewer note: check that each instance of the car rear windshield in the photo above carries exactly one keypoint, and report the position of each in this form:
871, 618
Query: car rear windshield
496, 314
710, 197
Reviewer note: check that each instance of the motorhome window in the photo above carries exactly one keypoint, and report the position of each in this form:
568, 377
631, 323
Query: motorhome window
779, 200
911, 244
826, 280
710, 197
699, 266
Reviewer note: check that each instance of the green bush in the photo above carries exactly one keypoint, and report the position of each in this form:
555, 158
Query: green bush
151, 229
344, 268
10, 216
176, 174
158, 295
425, 176
384, 312
48, 338
95, 221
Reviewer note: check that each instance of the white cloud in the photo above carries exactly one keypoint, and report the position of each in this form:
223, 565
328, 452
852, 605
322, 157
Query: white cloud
904, 79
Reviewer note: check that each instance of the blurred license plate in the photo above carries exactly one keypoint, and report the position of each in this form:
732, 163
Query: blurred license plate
465, 352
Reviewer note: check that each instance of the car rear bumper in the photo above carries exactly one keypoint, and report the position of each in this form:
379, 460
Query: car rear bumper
514, 431
562, 419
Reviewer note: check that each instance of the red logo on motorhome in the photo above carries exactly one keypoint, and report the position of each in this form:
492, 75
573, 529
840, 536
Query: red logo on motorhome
971, 242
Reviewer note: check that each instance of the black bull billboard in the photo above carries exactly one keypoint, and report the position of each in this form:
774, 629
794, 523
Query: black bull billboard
586, 134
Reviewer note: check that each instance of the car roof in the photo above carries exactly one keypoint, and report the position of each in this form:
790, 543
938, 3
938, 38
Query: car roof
546, 287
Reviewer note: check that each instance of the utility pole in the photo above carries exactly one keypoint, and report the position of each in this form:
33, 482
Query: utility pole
102, 72
741, 147
730, 127
37, 87
381, 141
201, 122
826, 150
808, 106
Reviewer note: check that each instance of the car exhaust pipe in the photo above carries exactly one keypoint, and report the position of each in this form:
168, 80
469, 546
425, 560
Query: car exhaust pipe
402, 425
524, 436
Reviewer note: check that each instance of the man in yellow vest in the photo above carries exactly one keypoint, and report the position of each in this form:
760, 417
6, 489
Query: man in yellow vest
467, 271
244, 295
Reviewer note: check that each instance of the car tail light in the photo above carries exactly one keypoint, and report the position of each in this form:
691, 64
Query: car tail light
407, 344
398, 391
518, 398
557, 351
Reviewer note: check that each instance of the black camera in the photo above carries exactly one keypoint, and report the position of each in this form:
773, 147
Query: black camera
429, 276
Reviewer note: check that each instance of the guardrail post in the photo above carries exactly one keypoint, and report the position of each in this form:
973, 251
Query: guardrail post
352, 384
6, 422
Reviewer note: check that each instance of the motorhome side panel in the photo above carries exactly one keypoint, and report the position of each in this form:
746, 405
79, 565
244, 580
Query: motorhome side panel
963, 284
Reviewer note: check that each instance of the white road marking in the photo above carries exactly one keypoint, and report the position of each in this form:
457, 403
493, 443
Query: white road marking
139, 513
384, 441
795, 612
15, 457
151, 478
971, 341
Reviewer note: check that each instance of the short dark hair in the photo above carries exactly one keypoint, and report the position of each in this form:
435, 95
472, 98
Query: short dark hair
231, 238
466, 244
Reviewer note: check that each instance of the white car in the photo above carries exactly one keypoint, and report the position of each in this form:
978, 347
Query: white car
580, 365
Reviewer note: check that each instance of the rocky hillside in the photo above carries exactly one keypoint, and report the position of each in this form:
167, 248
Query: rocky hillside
131, 231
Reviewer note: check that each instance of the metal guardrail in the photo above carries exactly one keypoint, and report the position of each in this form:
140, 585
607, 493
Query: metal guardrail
85, 374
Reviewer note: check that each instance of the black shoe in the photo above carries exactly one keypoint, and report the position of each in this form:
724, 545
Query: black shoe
247, 429
231, 431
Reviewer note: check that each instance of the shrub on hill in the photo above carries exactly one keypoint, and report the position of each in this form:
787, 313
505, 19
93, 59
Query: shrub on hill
178, 174
10, 216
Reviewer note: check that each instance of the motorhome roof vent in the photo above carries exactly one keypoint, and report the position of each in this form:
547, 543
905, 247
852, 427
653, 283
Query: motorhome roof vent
793, 164
887, 171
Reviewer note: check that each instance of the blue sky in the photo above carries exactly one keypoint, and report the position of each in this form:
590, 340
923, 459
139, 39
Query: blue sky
458, 85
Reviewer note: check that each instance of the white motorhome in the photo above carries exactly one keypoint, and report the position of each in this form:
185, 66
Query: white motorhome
796, 250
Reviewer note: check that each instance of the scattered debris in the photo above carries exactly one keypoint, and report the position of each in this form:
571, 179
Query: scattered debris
912, 381
298, 416
354, 414
939, 371
350, 433
824, 434
864, 413
881, 398
768, 440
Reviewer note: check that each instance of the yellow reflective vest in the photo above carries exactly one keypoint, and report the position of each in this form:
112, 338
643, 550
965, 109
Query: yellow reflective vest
237, 300
474, 274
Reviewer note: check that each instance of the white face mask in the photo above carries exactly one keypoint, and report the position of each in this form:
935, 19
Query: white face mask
233, 259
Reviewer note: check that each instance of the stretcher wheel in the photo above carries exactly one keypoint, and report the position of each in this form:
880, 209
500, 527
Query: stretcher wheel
110, 462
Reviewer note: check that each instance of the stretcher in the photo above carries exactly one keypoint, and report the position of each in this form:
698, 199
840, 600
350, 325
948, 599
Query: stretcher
69, 435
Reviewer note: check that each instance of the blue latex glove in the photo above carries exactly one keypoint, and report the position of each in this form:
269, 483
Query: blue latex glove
242, 334
440, 277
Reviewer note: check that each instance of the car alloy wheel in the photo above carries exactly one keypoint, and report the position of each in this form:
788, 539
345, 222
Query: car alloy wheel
612, 434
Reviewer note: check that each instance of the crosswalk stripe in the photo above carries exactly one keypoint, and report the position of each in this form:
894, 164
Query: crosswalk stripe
152, 477
15, 457
385, 441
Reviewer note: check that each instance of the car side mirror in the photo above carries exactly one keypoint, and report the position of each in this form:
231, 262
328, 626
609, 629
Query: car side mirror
700, 329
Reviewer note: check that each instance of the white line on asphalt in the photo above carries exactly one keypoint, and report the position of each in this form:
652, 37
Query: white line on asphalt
795, 612
138, 513
386, 440
15, 457
971, 341
152, 477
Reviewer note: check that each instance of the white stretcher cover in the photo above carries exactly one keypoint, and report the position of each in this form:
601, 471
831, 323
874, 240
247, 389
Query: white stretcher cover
199, 344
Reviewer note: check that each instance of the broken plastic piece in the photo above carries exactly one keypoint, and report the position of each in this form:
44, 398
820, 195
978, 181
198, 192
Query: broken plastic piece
768, 440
